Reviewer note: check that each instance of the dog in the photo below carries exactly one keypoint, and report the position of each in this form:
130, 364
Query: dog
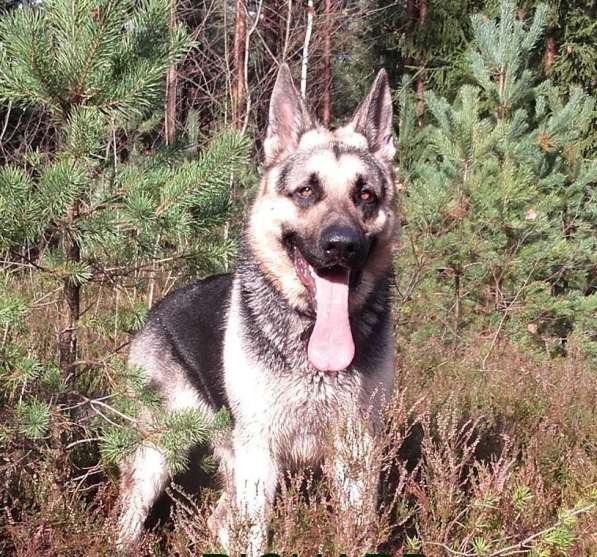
298, 342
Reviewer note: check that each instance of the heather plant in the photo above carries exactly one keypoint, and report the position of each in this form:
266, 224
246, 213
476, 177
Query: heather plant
496, 468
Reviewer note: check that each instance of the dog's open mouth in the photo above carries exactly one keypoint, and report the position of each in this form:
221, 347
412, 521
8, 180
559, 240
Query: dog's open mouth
331, 346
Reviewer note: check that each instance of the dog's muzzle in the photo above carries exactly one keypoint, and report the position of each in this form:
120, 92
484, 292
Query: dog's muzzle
330, 272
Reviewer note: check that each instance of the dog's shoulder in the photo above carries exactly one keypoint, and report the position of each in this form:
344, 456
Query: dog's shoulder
189, 323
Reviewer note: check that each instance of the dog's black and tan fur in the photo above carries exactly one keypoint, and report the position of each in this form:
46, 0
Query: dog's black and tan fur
319, 235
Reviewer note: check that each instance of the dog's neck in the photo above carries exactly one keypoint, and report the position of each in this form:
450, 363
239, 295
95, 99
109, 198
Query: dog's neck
279, 333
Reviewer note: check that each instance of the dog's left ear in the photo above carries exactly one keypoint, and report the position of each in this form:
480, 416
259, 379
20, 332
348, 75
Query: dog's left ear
373, 119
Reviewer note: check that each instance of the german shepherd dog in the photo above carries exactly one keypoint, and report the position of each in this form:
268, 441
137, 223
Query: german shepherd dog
297, 342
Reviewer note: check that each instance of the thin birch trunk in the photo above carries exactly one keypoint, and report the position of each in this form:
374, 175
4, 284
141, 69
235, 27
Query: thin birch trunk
305, 62
326, 113
247, 109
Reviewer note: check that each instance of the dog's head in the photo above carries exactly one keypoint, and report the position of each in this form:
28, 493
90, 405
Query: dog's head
323, 222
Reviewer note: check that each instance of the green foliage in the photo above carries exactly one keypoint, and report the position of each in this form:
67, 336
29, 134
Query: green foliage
168, 202
33, 418
501, 201
118, 443
573, 27
95, 67
521, 497
68, 53
481, 546
431, 45
12, 310
96, 209
89, 213
182, 430
174, 432
428, 47
499, 58
498, 246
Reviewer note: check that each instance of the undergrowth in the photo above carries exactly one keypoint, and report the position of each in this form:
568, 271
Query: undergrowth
482, 455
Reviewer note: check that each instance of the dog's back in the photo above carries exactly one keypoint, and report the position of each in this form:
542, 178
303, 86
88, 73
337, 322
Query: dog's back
186, 331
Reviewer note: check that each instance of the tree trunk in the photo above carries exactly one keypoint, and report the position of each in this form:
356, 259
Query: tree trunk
411, 11
422, 13
550, 53
326, 112
67, 341
305, 62
420, 108
239, 87
171, 86
457, 309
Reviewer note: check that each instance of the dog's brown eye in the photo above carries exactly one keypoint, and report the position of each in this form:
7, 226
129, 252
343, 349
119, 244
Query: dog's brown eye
306, 192
310, 193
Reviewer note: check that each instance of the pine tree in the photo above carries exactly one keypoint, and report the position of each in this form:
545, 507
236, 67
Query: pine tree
96, 69
96, 208
501, 201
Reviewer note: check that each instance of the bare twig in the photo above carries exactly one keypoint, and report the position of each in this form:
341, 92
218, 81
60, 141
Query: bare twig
246, 67
81, 441
505, 315
287, 33
94, 402
6, 119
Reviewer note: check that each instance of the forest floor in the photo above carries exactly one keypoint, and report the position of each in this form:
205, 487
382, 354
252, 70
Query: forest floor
487, 452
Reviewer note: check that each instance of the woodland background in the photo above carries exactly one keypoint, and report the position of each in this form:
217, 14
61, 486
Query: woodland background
130, 136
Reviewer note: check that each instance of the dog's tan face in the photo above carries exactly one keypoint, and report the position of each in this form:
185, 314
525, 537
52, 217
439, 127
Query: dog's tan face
323, 223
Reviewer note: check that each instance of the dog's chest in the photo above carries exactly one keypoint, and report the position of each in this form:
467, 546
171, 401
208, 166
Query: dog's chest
307, 409
293, 411
296, 414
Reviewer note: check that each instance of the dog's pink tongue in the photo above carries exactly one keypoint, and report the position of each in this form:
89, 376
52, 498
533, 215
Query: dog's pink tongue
331, 347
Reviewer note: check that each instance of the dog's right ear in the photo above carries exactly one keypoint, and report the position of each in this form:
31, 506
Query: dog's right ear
288, 118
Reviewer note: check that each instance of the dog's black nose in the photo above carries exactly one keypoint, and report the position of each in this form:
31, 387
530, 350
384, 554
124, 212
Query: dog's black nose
343, 245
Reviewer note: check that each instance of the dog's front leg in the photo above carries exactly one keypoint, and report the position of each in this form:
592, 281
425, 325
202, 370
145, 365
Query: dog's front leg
354, 470
255, 480
143, 479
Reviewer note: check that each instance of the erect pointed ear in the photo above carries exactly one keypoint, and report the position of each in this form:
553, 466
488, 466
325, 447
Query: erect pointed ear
288, 118
373, 119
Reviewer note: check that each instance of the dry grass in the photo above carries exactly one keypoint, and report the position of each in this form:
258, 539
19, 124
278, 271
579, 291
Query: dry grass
482, 456
477, 462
